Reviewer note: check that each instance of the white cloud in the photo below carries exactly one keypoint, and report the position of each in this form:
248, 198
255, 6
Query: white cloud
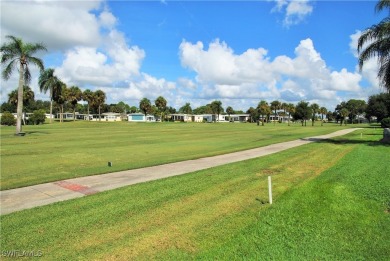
146, 86
186, 83
345, 81
295, 10
254, 75
62, 24
220, 65
107, 20
115, 64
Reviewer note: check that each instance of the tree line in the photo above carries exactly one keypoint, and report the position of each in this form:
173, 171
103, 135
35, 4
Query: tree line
66, 99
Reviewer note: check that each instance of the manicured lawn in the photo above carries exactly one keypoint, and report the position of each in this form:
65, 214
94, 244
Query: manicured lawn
331, 202
73, 149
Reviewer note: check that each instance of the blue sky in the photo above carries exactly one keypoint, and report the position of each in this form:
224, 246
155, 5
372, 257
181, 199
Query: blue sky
239, 52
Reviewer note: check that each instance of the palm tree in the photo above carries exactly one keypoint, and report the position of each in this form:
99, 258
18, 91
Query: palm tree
48, 82
275, 105
17, 53
186, 109
99, 97
60, 98
28, 95
88, 97
344, 114
216, 107
74, 95
378, 39
302, 112
263, 109
323, 111
290, 108
229, 111
314, 108
145, 106
161, 105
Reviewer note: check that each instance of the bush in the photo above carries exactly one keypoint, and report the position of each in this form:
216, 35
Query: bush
385, 123
37, 117
8, 119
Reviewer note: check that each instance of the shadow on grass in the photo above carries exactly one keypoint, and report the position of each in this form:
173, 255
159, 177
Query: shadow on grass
349, 141
36, 132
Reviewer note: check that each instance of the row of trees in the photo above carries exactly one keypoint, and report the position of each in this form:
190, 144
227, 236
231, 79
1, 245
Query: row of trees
67, 99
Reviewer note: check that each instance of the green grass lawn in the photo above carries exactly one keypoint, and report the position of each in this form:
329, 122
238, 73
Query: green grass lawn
58, 151
331, 202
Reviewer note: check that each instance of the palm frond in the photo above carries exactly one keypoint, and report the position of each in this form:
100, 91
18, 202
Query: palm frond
381, 5
6, 73
37, 61
30, 48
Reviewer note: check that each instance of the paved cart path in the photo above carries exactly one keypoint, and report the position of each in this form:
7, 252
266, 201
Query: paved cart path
47, 193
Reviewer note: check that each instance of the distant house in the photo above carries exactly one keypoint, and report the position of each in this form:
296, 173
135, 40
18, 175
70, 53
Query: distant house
235, 117
209, 117
67, 115
140, 117
186, 117
111, 116
280, 118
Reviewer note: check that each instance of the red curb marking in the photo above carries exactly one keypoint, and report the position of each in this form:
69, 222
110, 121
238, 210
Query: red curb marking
76, 187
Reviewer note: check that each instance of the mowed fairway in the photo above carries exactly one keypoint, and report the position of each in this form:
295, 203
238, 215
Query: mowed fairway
58, 151
331, 202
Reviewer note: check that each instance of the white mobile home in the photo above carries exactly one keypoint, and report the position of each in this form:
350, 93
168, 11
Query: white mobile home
111, 116
140, 117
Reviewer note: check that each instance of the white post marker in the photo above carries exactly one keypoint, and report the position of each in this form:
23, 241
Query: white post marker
270, 189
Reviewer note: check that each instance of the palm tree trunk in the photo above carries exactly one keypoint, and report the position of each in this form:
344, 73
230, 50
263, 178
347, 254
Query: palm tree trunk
99, 114
88, 111
289, 119
19, 109
51, 105
62, 113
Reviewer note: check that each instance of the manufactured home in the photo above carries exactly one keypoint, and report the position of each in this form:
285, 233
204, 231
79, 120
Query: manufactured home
140, 117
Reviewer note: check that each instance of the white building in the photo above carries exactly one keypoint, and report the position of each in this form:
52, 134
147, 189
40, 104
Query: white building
140, 117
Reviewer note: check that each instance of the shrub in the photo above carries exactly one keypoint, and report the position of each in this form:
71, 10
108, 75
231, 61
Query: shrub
385, 123
37, 117
8, 119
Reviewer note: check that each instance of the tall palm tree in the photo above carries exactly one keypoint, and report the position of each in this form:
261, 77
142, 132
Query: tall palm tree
290, 108
61, 98
323, 111
99, 97
275, 105
88, 97
263, 109
344, 114
74, 96
17, 53
229, 111
186, 108
216, 107
161, 105
49, 82
145, 106
378, 39
314, 108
